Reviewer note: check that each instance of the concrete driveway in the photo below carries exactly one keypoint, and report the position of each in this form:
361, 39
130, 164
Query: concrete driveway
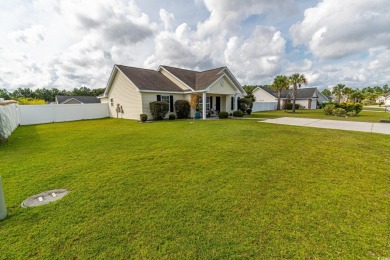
382, 128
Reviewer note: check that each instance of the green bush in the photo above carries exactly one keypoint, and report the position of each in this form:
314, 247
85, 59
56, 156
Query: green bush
358, 108
328, 109
223, 115
249, 111
288, 106
244, 104
183, 108
143, 117
322, 105
350, 108
238, 113
172, 117
159, 109
339, 112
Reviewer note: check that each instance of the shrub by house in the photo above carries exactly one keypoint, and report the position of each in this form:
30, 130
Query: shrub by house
159, 109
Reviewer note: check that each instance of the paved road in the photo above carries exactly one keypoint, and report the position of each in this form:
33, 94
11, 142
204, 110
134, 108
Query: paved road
382, 128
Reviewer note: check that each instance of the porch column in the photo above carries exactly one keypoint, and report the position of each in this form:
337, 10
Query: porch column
204, 105
235, 102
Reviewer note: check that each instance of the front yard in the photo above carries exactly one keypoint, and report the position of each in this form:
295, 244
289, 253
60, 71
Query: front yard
211, 189
363, 116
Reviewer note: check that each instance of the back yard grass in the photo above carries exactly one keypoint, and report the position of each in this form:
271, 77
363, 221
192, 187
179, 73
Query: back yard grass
212, 189
363, 116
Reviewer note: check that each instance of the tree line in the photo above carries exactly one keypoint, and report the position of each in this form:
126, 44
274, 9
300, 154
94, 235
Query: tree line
366, 95
48, 94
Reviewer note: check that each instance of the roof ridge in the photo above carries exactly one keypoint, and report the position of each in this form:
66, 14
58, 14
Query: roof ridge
131, 67
212, 69
178, 68
196, 71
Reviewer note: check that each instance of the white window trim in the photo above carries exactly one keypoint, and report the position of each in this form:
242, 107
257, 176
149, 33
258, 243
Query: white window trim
169, 100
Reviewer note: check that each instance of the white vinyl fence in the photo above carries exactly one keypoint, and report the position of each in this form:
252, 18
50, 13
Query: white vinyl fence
263, 106
40, 114
13, 115
8, 120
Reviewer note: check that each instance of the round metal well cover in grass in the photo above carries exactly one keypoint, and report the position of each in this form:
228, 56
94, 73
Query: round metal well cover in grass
44, 198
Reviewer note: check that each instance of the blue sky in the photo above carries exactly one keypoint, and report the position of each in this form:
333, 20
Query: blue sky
68, 44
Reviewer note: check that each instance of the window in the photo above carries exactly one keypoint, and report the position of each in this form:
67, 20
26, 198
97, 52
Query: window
112, 102
165, 98
207, 103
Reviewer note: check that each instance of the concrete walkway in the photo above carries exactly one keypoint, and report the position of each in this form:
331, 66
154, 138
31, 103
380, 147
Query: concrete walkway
382, 128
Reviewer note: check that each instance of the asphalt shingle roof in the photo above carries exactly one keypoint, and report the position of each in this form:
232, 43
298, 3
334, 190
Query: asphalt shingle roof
197, 80
302, 93
82, 99
146, 79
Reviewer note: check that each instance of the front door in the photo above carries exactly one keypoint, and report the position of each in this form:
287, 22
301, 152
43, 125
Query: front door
218, 104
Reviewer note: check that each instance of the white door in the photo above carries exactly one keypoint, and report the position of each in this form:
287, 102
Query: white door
313, 104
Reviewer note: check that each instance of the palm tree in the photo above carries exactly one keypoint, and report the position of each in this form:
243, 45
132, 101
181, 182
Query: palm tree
280, 83
356, 95
296, 80
249, 92
347, 92
337, 90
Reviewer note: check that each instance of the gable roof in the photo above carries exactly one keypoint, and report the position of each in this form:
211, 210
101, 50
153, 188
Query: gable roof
82, 99
196, 80
302, 93
155, 81
146, 79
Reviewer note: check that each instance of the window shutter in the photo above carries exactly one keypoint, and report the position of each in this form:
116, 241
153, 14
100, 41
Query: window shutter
211, 103
232, 103
171, 103
158, 97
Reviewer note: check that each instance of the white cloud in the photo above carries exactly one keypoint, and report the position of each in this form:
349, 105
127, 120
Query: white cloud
98, 34
167, 19
66, 44
226, 15
258, 57
335, 29
219, 41
31, 35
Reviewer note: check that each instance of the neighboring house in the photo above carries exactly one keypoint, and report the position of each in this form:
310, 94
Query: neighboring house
385, 99
76, 99
308, 98
130, 90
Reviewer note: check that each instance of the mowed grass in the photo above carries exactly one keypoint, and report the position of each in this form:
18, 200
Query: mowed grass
363, 116
212, 189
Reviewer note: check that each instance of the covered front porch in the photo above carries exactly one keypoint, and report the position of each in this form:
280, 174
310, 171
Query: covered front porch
221, 95
216, 103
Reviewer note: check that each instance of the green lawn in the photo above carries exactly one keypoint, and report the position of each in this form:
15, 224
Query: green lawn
212, 189
364, 116
376, 108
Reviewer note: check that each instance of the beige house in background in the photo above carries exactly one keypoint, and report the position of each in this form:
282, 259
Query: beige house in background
130, 90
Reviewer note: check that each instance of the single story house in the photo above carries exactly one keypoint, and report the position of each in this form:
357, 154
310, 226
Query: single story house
76, 99
308, 98
385, 99
130, 90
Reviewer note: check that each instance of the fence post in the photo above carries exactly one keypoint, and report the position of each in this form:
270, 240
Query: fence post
3, 210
